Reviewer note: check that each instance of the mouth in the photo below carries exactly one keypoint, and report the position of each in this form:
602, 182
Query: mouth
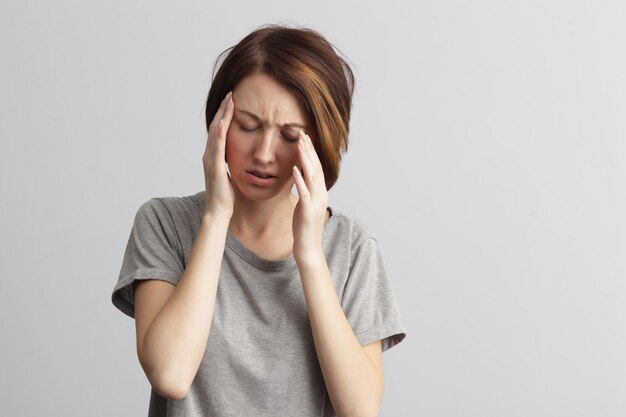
261, 174
261, 178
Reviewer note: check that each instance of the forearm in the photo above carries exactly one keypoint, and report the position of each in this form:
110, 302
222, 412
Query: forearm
354, 384
175, 342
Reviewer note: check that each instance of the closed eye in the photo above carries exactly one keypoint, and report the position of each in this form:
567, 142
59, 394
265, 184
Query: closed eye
289, 136
247, 128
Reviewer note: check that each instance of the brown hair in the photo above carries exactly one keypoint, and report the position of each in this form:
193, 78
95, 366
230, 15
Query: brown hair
308, 65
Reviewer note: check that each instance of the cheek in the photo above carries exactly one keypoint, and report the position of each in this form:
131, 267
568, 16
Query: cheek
289, 152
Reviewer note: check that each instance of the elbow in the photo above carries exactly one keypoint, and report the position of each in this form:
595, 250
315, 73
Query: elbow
364, 410
168, 383
171, 393
368, 406
169, 388
370, 412
165, 377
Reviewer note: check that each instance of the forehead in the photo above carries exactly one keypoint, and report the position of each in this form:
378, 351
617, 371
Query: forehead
262, 95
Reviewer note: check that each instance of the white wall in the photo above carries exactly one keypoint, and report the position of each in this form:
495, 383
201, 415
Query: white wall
488, 157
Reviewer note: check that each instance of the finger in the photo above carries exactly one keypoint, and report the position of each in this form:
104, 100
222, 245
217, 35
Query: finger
223, 104
304, 145
313, 171
303, 191
312, 152
229, 110
223, 125
219, 114
305, 160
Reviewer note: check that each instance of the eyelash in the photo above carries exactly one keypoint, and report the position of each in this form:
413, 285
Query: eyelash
245, 129
289, 139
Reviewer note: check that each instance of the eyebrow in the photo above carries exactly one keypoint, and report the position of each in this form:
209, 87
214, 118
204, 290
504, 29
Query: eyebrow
258, 119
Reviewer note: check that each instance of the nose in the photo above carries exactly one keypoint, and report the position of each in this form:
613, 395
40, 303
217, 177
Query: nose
264, 148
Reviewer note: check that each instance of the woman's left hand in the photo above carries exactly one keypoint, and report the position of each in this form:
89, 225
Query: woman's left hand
310, 212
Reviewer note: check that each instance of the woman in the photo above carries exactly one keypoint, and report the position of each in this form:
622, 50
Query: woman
249, 300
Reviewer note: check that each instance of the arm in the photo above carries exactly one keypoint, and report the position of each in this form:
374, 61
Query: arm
173, 323
353, 374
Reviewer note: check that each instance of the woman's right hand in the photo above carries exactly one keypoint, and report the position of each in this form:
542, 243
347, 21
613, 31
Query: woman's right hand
220, 196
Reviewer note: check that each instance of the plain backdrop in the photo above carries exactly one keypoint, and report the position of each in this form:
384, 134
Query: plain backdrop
487, 156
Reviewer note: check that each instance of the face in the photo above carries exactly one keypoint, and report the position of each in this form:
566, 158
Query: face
262, 139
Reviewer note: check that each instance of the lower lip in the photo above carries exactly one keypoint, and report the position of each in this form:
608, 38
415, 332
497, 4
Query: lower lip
260, 181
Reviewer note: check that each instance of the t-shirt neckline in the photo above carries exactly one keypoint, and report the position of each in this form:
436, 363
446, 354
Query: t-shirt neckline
247, 254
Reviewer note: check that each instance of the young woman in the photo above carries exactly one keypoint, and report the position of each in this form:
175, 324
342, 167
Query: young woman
250, 300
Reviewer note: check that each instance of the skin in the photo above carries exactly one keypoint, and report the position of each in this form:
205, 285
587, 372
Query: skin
263, 135
260, 126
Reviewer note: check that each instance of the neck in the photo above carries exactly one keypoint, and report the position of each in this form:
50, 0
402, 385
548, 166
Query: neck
262, 218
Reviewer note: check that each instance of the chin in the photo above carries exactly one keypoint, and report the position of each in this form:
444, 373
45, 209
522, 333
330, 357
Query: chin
261, 194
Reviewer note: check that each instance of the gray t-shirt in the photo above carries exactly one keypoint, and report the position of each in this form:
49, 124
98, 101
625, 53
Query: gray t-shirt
260, 358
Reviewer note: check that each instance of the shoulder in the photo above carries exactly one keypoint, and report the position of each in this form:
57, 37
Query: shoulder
178, 218
347, 229
174, 208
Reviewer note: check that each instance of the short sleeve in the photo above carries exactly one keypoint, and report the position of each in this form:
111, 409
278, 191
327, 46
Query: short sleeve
152, 252
368, 299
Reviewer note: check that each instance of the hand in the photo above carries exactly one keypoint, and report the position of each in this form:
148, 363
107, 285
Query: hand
310, 212
220, 196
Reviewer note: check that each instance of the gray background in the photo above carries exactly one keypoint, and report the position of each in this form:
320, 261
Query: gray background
488, 157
